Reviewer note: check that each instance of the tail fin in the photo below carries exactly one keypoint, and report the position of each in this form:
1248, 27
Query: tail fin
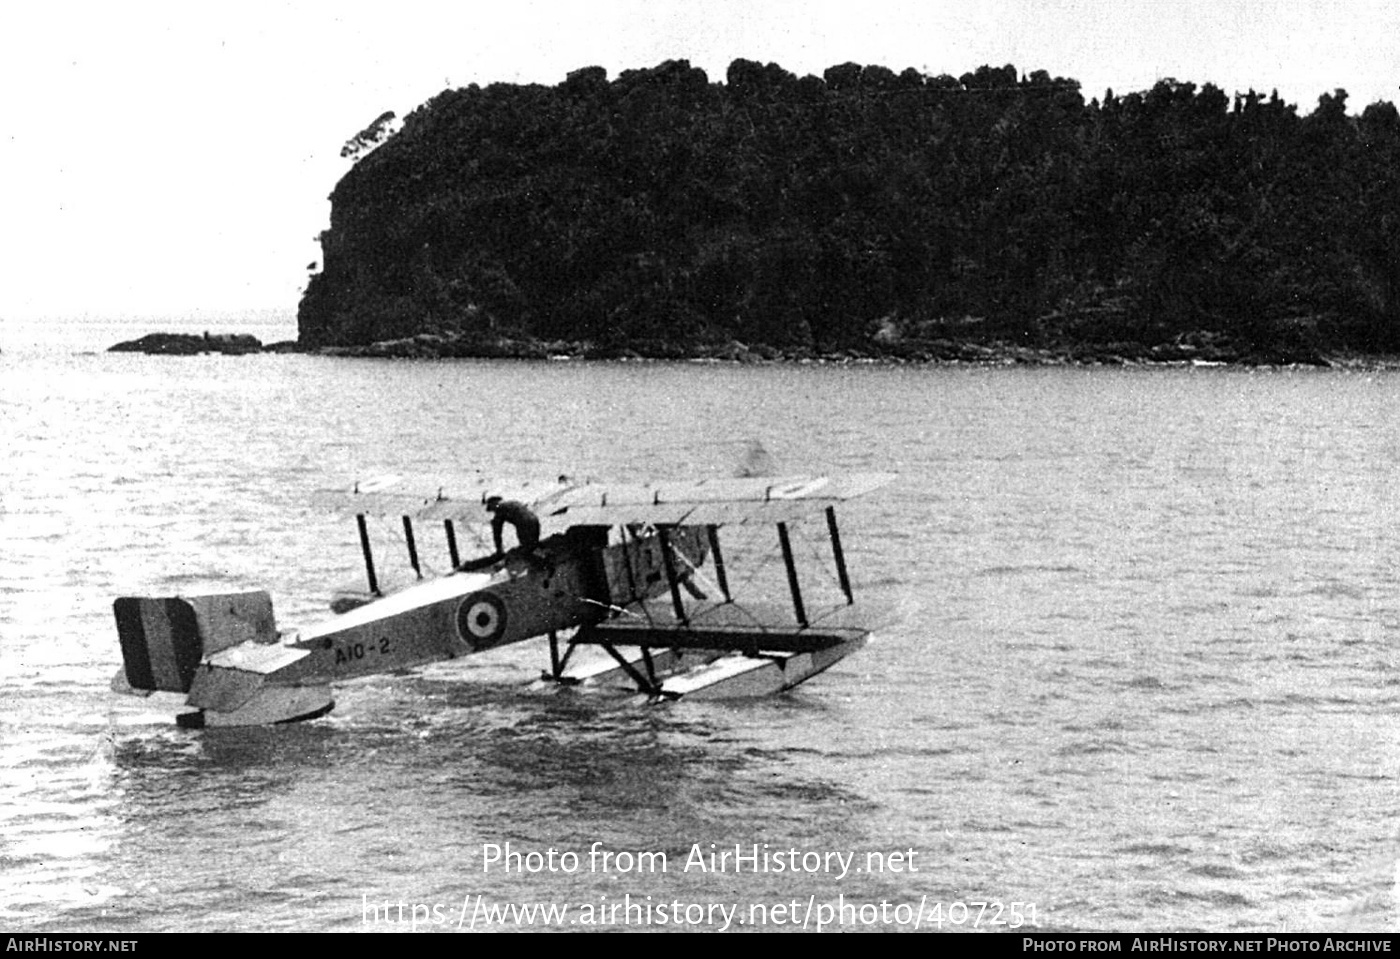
164, 640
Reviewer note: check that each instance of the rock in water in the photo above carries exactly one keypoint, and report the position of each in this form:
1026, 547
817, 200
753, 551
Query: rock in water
189, 344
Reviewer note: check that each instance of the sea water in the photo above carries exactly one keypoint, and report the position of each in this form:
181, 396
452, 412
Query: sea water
1140, 671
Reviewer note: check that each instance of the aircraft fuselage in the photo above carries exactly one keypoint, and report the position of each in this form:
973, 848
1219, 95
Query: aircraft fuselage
570, 582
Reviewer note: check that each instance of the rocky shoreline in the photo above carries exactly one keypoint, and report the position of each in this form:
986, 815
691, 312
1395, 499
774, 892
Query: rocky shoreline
1196, 350
1201, 349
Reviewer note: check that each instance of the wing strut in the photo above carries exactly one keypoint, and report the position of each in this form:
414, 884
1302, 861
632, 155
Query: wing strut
840, 556
792, 575
452, 543
627, 565
369, 556
670, 565
412, 546
720, 576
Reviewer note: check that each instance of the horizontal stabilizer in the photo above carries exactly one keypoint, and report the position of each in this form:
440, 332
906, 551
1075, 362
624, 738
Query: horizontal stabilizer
229, 679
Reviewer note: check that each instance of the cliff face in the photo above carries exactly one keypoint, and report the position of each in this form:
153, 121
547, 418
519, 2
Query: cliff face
865, 210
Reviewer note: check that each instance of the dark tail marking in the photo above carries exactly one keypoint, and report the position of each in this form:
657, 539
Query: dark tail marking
161, 644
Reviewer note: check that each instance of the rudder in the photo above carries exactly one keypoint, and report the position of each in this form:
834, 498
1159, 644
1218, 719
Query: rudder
161, 646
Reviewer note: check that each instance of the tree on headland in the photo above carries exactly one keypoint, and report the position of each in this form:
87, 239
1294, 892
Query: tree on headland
865, 210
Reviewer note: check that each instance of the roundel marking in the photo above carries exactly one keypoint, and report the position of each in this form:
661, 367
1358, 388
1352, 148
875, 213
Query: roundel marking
481, 619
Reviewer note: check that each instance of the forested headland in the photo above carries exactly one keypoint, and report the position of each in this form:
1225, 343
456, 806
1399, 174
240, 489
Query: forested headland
865, 213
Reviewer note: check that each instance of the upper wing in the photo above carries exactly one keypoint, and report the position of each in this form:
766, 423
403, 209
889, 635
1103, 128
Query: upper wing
716, 502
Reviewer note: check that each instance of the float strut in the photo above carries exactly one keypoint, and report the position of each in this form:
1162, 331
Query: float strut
557, 662
412, 546
840, 556
792, 575
651, 668
369, 556
644, 684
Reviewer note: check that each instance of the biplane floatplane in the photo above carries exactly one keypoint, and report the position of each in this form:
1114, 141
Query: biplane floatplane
617, 571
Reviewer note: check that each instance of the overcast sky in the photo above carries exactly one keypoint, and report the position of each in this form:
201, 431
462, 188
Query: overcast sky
174, 159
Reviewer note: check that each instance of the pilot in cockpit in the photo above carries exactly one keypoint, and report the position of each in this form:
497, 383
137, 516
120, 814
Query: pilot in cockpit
527, 530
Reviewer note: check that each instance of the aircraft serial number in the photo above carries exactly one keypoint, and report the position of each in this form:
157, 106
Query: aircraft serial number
357, 651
